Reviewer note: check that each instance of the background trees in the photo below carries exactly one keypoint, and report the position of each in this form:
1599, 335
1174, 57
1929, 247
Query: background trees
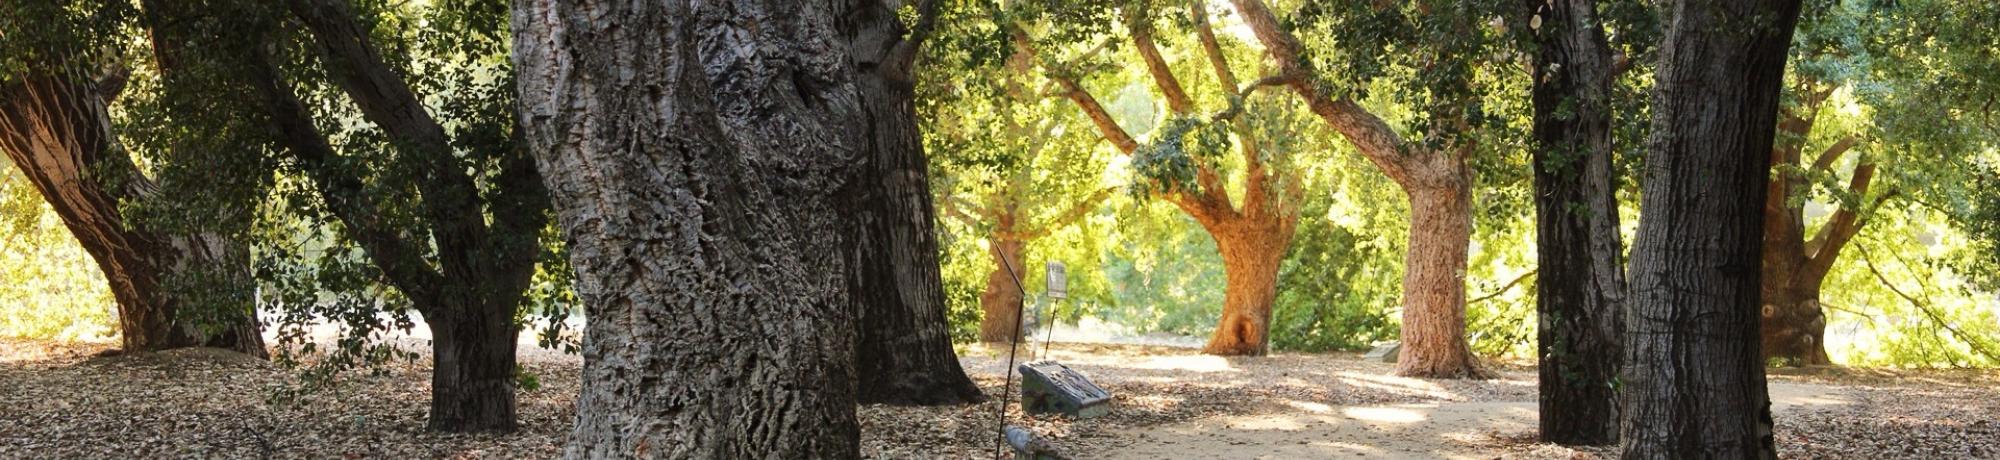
442, 204
177, 284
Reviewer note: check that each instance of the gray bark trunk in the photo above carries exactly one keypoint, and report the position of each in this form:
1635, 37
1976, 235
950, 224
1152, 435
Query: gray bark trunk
1694, 377
696, 152
904, 353
1579, 298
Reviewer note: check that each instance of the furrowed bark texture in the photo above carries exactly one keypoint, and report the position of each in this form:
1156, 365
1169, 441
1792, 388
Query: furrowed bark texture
1694, 379
485, 243
696, 152
57, 130
1579, 298
904, 353
1439, 185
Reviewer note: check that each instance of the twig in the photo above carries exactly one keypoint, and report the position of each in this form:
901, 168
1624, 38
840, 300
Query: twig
1969, 339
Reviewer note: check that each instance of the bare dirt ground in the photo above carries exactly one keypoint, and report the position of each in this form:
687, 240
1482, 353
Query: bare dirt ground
57, 401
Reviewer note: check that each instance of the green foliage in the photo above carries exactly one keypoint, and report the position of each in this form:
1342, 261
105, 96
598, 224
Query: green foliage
1337, 283
49, 287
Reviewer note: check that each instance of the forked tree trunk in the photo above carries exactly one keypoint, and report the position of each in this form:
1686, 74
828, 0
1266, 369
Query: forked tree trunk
1694, 377
1250, 260
472, 372
1438, 184
695, 151
1434, 343
1000, 304
1579, 297
57, 130
904, 353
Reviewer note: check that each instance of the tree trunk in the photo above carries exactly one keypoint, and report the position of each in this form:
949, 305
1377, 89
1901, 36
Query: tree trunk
1000, 303
472, 372
1580, 294
904, 353
1438, 184
695, 152
1694, 379
1794, 327
1433, 335
1250, 260
173, 290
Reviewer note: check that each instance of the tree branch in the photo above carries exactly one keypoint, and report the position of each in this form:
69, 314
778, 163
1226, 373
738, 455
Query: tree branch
1503, 288
1139, 23
1106, 125
1198, 9
398, 257
1825, 246
1372, 136
450, 198
1972, 341
1069, 216
1834, 152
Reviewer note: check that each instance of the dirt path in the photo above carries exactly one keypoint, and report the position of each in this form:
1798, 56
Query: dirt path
1453, 430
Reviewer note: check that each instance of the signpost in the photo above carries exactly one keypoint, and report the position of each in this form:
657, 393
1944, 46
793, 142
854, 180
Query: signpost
1058, 281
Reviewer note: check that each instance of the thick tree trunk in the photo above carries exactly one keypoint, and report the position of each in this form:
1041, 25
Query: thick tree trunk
1438, 184
1794, 326
1433, 335
472, 371
904, 353
695, 152
57, 130
1580, 294
1250, 260
1694, 379
1000, 303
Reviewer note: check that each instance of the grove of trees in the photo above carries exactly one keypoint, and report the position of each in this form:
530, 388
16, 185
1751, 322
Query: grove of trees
763, 214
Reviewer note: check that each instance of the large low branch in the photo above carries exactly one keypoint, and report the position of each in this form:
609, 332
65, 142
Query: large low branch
1067, 217
399, 258
450, 198
1834, 152
1824, 248
1370, 134
1139, 23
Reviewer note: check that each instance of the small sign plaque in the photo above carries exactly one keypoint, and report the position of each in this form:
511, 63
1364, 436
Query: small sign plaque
1058, 281
1048, 387
1385, 353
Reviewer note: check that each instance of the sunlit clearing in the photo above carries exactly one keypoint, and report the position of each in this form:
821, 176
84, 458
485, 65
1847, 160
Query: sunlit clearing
1190, 363
1310, 406
1384, 414
1399, 385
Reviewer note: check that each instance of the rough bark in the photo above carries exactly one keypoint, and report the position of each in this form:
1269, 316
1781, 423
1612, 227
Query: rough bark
485, 243
1000, 303
57, 130
1433, 336
696, 152
472, 371
1250, 260
904, 353
1434, 278
1694, 379
1579, 298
